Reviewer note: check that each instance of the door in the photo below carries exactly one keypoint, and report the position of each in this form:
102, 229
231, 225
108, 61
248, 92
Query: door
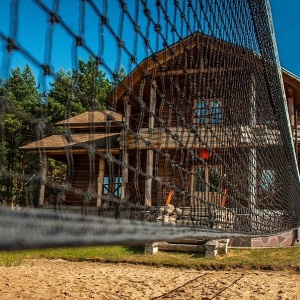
206, 188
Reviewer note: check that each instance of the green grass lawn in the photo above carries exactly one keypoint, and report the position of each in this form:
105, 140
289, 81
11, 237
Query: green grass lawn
282, 258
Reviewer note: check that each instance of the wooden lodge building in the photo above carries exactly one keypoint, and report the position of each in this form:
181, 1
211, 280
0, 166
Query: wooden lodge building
179, 128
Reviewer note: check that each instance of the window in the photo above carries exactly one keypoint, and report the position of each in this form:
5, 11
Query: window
267, 180
117, 186
207, 179
215, 112
105, 185
200, 180
266, 198
214, 179
201, 112
209, 112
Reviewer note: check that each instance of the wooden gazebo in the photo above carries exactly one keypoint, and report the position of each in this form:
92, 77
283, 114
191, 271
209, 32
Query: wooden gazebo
82, 145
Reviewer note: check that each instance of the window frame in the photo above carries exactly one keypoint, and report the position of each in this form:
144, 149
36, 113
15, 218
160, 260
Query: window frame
208, 111
117, 184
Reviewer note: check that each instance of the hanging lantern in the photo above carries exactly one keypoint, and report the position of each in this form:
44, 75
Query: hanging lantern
204, 154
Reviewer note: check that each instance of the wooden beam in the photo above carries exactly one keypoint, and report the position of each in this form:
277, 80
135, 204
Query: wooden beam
43, 178
296, 134
123, 147
73, 151
252, 176
291, 110
124, 176
101, 171
200, 70
181, 247
150, 153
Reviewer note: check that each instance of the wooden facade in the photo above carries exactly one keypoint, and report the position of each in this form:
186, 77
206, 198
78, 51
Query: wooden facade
153, 129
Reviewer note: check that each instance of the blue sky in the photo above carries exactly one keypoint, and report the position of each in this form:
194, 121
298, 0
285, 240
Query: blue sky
286, 21
32, 28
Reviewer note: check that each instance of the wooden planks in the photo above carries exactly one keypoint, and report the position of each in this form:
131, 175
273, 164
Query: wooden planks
215, 138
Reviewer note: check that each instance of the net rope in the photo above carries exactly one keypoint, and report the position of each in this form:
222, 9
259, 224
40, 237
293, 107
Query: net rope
135, 121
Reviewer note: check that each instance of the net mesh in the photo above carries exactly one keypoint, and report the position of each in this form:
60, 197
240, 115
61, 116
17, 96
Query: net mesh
170, 112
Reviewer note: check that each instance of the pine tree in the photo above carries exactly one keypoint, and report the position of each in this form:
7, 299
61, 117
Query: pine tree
93, 86
72, 93
22, 122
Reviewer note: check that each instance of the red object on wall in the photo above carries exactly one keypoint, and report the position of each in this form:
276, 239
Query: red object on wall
204, 154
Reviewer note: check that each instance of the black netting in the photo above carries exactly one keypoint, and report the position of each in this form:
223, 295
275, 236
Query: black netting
163, 111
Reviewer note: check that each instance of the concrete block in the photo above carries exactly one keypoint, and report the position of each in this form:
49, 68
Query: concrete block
211, 245
223, 248
224, 241
151, 248
211, 253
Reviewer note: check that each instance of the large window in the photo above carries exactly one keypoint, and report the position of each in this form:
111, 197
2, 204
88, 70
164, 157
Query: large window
117, 185
209, 112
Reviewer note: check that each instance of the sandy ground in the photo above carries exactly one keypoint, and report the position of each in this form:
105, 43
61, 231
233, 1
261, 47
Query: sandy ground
60, 279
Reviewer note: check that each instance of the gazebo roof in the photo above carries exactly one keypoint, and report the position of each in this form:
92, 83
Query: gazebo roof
58, 142
94, 117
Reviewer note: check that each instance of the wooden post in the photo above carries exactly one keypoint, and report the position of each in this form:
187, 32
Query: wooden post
150, 153
101, 171
192, 189
291, 107
124, 175
124, 135
43, 178
296, 134
252, 151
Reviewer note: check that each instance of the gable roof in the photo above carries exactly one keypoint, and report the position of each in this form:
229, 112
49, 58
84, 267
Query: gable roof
95, 117
160, 62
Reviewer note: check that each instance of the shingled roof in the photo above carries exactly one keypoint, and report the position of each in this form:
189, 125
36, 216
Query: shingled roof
54, 142
95, 117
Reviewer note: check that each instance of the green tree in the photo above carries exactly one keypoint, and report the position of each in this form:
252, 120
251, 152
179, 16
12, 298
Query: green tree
93, 86
21, 122
63, 101
72, 93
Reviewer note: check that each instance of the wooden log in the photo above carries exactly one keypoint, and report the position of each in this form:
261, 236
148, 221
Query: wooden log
164, 246
44, 164
188, 241
191, 71
101, 171
174, 145
224, 136
124, 136
150, 154
124, 175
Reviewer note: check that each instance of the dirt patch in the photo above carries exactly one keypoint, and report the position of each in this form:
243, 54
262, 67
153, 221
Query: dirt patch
61, 279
